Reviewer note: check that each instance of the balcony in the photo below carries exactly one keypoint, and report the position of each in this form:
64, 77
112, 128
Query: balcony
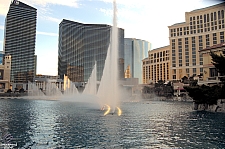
210, 80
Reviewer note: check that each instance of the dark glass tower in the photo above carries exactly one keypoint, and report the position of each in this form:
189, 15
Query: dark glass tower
80, 45
20, 35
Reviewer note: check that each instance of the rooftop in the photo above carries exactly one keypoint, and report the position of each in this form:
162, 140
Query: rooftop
214, 46
21, 4
64, 21
208, 7
160, 48
178, 23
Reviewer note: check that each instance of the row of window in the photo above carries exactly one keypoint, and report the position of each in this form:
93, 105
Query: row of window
213, 21
156, 72
192, 48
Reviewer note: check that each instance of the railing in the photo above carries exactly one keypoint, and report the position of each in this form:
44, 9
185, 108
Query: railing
212, 78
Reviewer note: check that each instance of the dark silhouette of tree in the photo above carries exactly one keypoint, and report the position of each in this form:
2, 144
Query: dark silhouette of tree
147, 90
9, 91
159, 87
184, 79
21, 90
204, 94
218, 61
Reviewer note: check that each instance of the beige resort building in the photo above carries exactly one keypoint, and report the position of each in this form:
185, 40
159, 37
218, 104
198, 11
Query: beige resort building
156, 66
5, 69
202, 28
210, 75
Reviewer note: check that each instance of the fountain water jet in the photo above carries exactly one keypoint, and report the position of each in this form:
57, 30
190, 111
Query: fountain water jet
108, 91
91, 86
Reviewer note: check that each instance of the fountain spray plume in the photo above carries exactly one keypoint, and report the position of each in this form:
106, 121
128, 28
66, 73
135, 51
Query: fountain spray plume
114, 61
108, 90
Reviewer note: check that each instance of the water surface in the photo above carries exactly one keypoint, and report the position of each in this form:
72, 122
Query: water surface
145, 124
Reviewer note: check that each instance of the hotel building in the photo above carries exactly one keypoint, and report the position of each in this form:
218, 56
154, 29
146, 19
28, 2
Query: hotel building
5, 68
135, 50
156, 66
80, 45
202, 28
19, 41
210, 74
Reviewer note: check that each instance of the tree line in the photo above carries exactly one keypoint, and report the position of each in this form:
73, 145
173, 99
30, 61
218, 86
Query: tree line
210, 94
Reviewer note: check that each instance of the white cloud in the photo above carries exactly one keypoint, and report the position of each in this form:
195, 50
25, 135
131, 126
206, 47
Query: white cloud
149, 20
56, 20
70, 3
46, 33
39, 4
4, 6
107, 12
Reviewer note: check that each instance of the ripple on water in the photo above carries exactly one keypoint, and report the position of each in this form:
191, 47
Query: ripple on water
52, 124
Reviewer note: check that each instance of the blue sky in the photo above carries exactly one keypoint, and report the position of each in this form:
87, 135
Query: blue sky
142, 19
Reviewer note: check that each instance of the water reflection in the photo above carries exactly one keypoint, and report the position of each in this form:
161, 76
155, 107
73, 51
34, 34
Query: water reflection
54, 124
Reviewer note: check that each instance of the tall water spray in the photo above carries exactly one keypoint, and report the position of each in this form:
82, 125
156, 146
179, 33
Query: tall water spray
109, 89
91, 86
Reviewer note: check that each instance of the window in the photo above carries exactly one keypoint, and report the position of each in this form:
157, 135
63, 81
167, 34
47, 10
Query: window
207, 17
174, 71
194, 70
218, 14
211, 16
214, 15
187, 70
222, 13
204, 18
201, 70
213, 72
174, 77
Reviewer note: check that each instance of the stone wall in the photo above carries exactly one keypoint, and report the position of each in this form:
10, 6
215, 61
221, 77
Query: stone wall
219, 107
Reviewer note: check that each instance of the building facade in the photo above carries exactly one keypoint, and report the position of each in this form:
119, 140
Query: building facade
81, 45
210, 74
202, 28
135, 50
156, 67
19, 41
5, 69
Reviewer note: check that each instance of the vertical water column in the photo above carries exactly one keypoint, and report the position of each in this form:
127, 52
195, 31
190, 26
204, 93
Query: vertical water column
91, 86
108, 90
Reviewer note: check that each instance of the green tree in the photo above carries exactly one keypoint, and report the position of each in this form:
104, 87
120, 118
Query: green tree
184, 80
218, 61
159, 87
204, 94
9, 91
21, 90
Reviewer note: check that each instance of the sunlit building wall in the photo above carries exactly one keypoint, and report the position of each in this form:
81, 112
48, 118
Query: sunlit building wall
135, 50
5, 69
211, 75
19, 42
156, 66
80, 45
202, 28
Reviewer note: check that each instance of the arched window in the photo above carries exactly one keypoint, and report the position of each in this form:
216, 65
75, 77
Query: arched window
222, 13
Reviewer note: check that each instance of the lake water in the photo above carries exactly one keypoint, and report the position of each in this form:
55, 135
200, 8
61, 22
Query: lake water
146, 124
